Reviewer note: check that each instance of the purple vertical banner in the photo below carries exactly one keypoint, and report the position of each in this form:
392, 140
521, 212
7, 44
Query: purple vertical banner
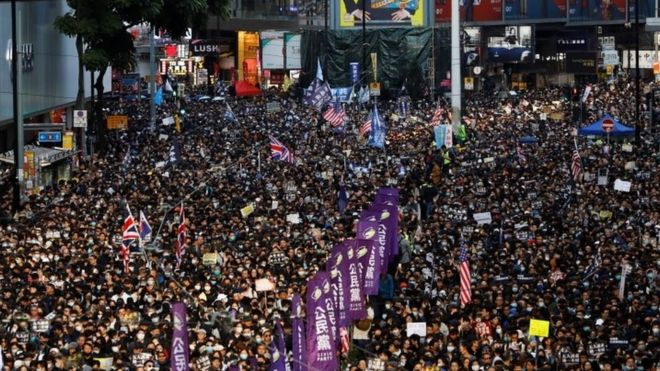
179, 351
278, 350
321, 346
389, 220
337, 266
371, 263
356, 307
375, 214
298, 335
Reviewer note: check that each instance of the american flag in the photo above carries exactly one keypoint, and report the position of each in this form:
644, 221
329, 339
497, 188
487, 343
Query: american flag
335, 115
181, 236
279, 151
576, 166
437, 116
366, 127
466, 291
130, 234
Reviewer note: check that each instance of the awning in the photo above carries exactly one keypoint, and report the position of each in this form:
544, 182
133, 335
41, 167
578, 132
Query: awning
44, 155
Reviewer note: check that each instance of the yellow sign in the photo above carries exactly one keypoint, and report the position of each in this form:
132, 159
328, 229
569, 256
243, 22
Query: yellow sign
28, 166
539, 327
210, 258
67, 141
468, 83
374, 89
117, 122
374, 66
383, 13
610, 69
247, 210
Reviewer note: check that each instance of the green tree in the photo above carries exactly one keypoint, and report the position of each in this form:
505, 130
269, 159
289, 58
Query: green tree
101, 29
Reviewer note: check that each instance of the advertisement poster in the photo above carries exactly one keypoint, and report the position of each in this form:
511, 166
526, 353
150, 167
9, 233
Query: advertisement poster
272, 50
471, 49
292, 46
534, 9
596, 10
471, 10
382, 13
583, 63
516, 46
646, 9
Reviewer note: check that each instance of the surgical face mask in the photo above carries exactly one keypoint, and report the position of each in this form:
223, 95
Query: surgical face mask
262, 322
197, 287
140, 336
258, 340
475, 367
451, 348
388, 306
499, 331
207, 288
656, 331
244, 356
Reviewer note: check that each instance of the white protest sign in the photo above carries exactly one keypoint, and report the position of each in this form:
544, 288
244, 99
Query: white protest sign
416, 328
482, 218
622, 185
163, 136
167, 121
264, 284
293, 218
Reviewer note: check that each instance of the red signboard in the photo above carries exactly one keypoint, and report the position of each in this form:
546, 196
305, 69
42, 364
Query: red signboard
608, 125
471, 10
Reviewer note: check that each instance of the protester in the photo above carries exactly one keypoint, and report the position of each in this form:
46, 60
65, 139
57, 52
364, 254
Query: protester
553, 248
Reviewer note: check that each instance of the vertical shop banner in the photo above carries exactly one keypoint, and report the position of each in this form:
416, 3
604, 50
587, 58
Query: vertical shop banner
596, 10
321, 344
383, 13
471, 10
272, 50
541, 10
292, 51
355, 72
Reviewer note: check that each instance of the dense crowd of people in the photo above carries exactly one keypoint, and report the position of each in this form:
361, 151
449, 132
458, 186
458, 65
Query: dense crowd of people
553, 249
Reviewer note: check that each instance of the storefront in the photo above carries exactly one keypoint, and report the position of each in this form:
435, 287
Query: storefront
42, 166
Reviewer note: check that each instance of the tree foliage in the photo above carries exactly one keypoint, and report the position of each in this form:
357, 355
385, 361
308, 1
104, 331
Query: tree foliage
101, 27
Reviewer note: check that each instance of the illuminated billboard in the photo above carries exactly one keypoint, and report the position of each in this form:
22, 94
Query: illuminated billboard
382, 13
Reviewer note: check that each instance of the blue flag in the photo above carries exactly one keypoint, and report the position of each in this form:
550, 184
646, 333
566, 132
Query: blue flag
318, 94
158, 99
377, 137
343, 198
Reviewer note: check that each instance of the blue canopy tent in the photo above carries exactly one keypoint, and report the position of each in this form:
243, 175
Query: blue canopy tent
619, 130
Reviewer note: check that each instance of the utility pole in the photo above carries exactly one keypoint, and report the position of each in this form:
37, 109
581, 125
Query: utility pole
455, 64
638, 123
17, 108
364, 35
152, 78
